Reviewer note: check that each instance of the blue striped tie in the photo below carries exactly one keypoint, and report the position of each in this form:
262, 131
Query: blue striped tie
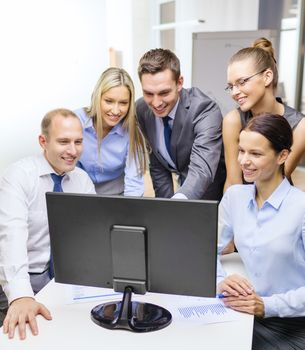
57, 188
167, 134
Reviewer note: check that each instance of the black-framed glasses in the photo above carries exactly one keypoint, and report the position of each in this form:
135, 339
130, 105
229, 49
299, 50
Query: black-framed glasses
241, 82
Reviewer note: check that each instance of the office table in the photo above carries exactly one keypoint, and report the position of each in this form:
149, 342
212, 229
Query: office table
72, 328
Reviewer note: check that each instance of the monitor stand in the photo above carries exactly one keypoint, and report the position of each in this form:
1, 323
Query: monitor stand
131, 315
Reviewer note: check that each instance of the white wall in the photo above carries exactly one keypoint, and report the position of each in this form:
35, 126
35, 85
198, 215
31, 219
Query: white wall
129, 24
52, 53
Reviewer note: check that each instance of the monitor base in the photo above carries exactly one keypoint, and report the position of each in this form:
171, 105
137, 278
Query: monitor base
131, 315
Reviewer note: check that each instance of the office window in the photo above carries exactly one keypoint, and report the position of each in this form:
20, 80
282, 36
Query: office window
167, 39
167, 12
167, 19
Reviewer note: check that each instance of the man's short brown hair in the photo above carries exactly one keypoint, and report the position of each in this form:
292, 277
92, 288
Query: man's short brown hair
158, 60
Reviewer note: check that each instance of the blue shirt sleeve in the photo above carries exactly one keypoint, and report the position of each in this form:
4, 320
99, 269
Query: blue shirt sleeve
133, 180
291, 303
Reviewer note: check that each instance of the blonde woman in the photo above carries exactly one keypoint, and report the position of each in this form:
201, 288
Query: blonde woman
114, 149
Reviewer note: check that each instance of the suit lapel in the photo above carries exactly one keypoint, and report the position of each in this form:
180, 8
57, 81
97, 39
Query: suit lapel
179, 122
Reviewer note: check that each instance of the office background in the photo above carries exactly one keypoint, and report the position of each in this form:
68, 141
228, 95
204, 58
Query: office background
53, 51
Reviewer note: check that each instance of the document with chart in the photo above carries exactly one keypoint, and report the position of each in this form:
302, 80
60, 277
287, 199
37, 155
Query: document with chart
200, 310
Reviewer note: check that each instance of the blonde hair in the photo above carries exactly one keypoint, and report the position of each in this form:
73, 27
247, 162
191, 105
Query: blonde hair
110, 78
262, 53
47, 119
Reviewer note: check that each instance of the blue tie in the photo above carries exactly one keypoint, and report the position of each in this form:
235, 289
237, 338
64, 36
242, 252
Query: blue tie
57, 188
57, 182
167, 133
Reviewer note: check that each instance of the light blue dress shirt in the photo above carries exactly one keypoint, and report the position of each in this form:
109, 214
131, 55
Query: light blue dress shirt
113, 159
270, 242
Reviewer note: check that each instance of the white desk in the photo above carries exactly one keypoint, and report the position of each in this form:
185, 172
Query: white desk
72, 328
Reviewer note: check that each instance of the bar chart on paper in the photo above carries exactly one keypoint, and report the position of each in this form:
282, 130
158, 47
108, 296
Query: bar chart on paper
201, 310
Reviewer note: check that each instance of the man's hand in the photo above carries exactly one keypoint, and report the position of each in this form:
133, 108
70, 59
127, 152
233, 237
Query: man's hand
20, 312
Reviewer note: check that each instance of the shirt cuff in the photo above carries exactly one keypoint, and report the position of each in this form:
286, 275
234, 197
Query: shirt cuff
18, 289
179, 195
270, 307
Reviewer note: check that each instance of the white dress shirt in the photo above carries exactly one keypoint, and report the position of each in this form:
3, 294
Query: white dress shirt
24, 234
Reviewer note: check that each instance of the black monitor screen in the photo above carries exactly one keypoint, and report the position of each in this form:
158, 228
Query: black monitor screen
158, 245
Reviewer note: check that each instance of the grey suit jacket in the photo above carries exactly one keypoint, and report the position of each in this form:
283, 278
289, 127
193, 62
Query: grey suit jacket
196, 147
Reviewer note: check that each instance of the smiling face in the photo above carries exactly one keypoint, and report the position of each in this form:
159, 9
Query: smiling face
114, 106
258, 160
161, 91
250, 94
63, 144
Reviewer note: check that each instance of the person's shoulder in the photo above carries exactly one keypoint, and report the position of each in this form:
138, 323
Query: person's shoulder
194, 95
78, 172
199, 104
233, 116
239, 192
141, 105
298, 195
82, 115
232, 120
25, 164
22, 171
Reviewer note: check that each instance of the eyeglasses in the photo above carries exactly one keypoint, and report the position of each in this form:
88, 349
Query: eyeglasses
241, 82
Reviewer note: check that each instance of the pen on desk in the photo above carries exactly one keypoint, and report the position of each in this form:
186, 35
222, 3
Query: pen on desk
220, 296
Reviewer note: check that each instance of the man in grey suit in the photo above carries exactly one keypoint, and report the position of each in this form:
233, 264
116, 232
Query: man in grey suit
183, 128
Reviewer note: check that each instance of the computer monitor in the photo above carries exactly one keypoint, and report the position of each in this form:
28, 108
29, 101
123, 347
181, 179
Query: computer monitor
135, 245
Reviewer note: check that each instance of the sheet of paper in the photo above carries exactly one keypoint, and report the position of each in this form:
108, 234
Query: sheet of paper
199, 310
79, 294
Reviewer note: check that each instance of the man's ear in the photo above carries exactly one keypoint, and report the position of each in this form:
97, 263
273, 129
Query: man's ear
42, 141
180, 83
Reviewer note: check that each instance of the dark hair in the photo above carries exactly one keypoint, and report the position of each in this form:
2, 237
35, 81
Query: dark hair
158, 60
262, 53
276, 129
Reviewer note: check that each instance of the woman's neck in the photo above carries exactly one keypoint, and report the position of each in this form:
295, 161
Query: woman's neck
268, 104
264, 189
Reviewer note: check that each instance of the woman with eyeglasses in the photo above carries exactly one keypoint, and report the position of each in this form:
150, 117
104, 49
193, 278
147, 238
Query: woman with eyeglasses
252, 82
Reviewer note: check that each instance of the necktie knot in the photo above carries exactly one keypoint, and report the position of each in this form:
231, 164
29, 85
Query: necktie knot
166, 121
57, 182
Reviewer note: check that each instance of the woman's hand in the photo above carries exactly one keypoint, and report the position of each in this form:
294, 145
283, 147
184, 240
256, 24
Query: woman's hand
235, 285
251, 304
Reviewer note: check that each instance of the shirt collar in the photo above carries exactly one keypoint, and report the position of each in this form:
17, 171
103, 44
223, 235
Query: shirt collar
117, 129
277, 196
172, 113
45, 167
